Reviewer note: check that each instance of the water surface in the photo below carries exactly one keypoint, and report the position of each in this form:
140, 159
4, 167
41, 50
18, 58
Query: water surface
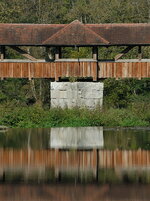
110, 138
92, 163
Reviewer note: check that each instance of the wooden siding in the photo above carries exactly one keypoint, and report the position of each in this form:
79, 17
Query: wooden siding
124, 70
74, 159
58, 70
48, 70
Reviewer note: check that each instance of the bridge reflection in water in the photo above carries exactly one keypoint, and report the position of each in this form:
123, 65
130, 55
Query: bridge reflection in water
95, 157
74, 193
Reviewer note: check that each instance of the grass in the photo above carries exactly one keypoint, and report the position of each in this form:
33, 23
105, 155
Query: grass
32, 117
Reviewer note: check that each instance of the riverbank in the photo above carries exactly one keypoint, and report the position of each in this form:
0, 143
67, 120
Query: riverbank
137, 114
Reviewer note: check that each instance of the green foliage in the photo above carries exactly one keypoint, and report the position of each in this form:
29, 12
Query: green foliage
116, 92
24, 103
73, 79
24, 92
64, 11
121, 93
36, 117
78, 53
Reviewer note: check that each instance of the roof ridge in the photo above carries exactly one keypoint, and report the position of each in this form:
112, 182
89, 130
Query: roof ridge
57, 33
93, 32
75, 22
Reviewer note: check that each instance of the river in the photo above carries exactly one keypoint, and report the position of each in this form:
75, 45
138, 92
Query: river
69, 164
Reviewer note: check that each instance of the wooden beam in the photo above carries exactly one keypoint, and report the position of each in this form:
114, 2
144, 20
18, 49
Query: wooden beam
126, 50
95, 53
140, 53
2, 53
23, 53
95, 70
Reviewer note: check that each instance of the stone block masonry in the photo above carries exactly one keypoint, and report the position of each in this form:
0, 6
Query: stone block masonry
76, 94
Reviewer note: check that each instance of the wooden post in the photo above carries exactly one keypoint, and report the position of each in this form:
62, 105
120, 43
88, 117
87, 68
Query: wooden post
95, 67
95, 53
58, 53
140, 53
57, 57
2, 53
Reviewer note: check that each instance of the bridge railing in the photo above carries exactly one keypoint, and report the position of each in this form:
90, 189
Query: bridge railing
73, 68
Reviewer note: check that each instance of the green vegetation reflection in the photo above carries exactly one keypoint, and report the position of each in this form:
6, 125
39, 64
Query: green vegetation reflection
114, 138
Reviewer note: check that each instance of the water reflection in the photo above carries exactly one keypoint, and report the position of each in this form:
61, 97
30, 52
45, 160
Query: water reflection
74, 193
77, 138
101, 166
78, 155
3, 129
73, 164
111, 139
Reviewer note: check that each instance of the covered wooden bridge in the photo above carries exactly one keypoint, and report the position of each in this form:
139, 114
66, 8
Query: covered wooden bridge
75, 34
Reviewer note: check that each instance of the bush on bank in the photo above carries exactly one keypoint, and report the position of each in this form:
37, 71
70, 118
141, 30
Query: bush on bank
126, 103
35, 116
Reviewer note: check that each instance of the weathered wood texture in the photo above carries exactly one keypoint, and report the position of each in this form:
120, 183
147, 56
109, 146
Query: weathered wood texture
74, 159
124, 70
58, 70
48, 70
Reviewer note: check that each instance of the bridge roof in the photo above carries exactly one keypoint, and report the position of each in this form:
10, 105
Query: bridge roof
75, 33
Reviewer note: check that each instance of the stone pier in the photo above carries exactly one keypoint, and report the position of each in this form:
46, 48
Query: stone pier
76, 94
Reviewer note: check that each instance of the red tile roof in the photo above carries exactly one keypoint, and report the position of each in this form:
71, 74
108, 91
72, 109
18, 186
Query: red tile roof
75, 33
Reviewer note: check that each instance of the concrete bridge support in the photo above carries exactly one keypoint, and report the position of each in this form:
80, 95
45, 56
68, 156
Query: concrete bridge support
76, 94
